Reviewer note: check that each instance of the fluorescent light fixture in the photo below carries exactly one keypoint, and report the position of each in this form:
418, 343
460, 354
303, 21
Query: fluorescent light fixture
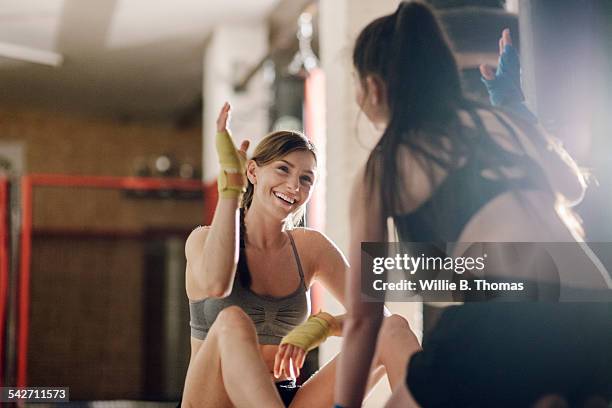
141, 22
19, 52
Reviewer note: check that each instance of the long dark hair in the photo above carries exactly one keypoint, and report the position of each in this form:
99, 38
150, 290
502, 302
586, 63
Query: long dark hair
409, 52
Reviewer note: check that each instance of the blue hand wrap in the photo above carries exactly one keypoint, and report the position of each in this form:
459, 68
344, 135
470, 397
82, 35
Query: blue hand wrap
505, 90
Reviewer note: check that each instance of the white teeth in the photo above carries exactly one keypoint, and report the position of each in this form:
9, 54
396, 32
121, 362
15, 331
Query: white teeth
284, 197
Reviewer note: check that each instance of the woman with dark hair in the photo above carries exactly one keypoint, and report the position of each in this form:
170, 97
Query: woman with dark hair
447, 169
247, 280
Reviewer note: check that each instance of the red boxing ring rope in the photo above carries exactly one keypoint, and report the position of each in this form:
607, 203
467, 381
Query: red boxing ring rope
120, 183
4, 267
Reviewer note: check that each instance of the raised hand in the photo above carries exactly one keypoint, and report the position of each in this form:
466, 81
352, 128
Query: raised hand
486, 70
504, 84
232, 178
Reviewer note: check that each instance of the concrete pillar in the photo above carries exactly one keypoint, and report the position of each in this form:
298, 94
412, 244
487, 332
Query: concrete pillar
233, 50
566, 78
561, 67
350, 137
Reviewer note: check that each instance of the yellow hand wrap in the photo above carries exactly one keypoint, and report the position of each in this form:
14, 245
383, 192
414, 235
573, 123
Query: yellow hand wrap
311, 333
232, 179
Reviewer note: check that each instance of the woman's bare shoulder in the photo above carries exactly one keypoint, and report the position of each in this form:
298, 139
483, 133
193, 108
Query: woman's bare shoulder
307, 236
314, 242
322, 257
199, 231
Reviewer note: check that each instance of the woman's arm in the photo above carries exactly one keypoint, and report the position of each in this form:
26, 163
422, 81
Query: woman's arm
363, 318
330, 267
212, 253
504, 87
332, 270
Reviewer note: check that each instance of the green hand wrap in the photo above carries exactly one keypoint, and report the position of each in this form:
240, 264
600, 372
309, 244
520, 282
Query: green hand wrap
311, 333
232, 179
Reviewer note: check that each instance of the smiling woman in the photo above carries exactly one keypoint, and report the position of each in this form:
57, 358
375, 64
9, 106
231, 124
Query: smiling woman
247, 279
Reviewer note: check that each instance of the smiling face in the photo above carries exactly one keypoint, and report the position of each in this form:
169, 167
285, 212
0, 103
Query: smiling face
283, 186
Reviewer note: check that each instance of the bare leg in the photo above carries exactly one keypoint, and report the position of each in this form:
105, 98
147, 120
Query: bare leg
401, 398
396, 344
228, 369
318, 391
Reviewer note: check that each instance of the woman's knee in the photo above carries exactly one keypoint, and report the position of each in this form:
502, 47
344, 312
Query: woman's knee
233, 321
392, 326
395, 340
396, 332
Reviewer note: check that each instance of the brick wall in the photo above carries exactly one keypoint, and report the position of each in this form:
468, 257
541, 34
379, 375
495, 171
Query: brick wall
91, 295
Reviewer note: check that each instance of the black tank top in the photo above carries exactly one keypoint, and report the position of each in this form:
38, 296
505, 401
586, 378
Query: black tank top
454, 203
465, 190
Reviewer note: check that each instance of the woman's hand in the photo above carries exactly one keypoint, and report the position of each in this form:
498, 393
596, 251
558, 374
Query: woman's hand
232, 178
288, 361
222, 126
504, 84
487, 70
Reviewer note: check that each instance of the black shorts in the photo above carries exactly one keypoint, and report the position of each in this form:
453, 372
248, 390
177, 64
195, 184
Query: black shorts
511, 354
286, 389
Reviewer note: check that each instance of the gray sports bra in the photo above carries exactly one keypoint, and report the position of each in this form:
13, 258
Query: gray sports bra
273, 317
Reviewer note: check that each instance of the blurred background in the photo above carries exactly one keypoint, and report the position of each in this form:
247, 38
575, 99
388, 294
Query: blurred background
107, 162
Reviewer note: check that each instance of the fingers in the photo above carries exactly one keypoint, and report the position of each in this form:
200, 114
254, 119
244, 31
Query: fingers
506, 38
284, 363
223, 117
226, 107
288, 361
294, 361
278, 359
487, 72
244, 146
286, 366
300, 358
